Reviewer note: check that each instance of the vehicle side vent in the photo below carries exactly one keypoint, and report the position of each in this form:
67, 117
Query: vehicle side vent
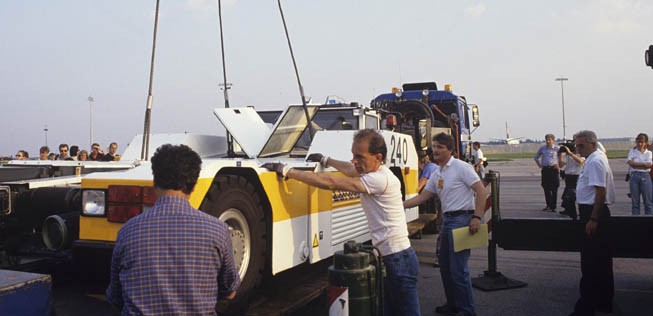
347, 224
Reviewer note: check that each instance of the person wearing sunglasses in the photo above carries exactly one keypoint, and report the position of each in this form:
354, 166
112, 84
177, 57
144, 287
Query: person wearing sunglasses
594, 192
63, 152
22, 155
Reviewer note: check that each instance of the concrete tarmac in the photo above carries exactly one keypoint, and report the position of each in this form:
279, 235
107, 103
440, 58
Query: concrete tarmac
552, 277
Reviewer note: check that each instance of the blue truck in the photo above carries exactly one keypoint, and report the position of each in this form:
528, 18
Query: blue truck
421, 110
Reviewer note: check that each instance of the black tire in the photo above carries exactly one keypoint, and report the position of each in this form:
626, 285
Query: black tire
235, 201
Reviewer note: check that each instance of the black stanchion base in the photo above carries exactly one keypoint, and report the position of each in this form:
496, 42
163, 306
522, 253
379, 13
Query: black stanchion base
494, 281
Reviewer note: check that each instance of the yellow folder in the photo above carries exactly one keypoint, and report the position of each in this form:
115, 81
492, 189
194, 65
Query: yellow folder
463, 239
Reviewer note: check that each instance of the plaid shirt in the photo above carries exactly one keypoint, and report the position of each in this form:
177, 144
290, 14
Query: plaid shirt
172, 260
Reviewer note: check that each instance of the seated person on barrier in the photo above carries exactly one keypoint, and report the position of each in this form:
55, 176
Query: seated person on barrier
44, 153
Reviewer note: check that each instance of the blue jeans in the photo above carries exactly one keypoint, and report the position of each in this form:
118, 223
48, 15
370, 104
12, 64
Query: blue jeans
453, 267
640, 184
400, 284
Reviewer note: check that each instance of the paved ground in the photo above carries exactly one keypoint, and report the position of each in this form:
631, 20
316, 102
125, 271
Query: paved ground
552, 277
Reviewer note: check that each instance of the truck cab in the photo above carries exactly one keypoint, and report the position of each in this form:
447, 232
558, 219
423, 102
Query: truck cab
422, 111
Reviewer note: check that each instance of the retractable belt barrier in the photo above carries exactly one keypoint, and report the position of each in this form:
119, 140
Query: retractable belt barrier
493, 280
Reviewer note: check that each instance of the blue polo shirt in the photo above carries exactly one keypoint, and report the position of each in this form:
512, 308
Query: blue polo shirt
548, 156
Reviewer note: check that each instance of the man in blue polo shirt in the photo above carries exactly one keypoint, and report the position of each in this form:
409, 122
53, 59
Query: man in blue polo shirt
547, 158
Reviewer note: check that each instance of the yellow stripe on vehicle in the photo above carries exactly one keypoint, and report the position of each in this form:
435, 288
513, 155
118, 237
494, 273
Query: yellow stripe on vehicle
411, 180
97, 228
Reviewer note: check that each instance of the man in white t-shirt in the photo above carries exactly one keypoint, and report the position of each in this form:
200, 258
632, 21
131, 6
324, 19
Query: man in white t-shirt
462, 195
573, 164
594, 192
380, 194
479, 160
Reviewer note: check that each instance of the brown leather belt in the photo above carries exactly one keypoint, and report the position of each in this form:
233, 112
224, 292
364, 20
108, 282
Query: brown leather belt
457, 213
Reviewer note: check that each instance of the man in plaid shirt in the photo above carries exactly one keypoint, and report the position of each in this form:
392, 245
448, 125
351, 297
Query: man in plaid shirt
172, 259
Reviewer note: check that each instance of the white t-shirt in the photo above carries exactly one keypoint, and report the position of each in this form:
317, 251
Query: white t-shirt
572, 166
478, 157
596, 172
384, 210
638, 156
453, 184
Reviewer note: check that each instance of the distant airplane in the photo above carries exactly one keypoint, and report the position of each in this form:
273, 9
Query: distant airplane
508, 140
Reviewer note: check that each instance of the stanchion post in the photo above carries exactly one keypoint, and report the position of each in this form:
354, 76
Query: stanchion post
493, 280
496, 217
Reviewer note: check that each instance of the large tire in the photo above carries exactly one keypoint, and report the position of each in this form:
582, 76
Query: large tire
235, 201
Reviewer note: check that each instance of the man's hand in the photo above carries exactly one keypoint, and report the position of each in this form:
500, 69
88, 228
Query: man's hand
590, 227
474, 225
231, 296
279, 168
317, 157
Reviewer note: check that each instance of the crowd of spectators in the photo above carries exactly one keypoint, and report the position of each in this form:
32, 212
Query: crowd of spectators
74, 153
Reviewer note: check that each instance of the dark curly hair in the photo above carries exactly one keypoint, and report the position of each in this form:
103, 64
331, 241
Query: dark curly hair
176, 167
445, 139
375, 141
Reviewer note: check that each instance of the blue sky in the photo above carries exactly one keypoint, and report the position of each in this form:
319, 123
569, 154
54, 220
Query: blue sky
502, 55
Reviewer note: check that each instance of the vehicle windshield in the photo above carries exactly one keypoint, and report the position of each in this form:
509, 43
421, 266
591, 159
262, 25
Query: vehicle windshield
288, 130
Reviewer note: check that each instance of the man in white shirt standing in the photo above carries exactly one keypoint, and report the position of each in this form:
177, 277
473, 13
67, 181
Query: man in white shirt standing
573, 164
594, 192
380, 194
479, 160
462, 195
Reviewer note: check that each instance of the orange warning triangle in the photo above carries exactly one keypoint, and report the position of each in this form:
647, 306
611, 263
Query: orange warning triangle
315, 243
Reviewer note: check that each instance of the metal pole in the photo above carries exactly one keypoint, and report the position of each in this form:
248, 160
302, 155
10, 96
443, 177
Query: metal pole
562, 90
496, 217
45, 130
311, 130
90, 133
492, 279
227, 86
145, 146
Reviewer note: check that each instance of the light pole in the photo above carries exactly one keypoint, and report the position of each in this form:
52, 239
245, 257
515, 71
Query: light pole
45, 131
90, 137
562, 90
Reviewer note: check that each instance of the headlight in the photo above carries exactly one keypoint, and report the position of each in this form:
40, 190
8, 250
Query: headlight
93, 202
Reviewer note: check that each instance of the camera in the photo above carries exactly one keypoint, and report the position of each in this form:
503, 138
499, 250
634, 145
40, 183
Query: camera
569, 145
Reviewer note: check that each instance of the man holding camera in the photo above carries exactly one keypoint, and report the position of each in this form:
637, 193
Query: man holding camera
573, 164
547, 158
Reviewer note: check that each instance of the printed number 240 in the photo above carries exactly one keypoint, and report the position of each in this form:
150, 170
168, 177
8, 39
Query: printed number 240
398, 150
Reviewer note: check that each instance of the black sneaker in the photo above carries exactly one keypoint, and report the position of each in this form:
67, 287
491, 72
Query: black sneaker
446, 310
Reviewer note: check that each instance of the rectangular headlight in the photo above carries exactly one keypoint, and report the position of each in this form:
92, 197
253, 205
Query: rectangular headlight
93, 202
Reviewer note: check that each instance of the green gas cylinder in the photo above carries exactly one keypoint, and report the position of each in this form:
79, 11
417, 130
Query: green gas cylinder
351, 269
